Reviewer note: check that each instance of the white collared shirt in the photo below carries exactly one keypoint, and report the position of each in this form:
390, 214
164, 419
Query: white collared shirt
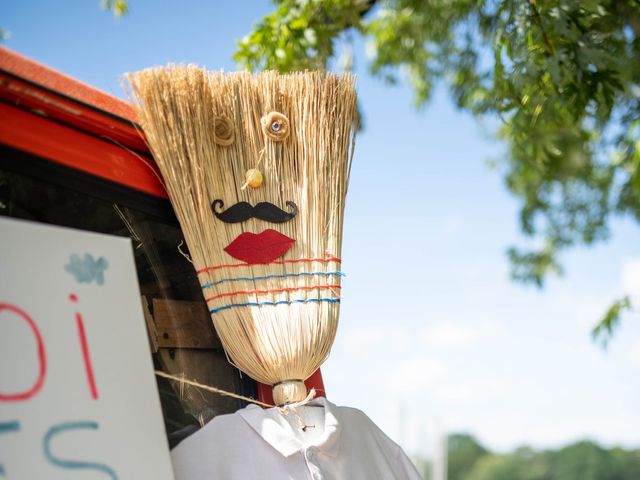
340, 443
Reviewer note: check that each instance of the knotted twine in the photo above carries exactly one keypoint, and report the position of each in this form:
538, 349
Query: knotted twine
284, 410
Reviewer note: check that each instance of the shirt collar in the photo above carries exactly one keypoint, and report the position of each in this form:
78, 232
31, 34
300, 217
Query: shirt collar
276, 430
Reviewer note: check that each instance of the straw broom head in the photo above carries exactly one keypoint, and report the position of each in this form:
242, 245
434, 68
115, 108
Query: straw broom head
270, 267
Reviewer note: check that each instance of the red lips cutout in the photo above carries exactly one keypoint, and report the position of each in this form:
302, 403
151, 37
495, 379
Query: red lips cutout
263, 247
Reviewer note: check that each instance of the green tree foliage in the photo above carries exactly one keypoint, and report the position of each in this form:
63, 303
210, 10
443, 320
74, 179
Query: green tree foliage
117, 7
588, 461
523, 464
562, 78
580, 461
463, 453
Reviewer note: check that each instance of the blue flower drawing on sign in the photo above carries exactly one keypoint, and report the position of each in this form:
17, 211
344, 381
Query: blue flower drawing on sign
86, 270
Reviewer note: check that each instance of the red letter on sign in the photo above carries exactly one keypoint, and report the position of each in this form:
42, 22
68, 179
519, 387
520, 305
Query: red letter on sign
85, 351
42, 359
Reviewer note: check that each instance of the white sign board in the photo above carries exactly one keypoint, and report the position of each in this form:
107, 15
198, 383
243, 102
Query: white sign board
78, 398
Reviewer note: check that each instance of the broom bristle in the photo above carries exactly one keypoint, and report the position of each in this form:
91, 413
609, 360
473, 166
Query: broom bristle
277, 321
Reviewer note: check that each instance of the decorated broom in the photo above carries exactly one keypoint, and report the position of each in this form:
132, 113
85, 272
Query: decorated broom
256, 167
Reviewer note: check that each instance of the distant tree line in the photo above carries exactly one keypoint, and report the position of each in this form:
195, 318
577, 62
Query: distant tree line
584, 460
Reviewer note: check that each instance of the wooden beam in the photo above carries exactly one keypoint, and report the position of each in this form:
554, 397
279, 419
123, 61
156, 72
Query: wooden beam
184, 324
151, 327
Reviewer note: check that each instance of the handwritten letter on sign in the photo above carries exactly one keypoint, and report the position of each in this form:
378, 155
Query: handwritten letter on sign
78, 398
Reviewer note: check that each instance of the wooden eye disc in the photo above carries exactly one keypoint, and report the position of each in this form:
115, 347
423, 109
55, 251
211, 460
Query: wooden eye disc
223, 131
275, 126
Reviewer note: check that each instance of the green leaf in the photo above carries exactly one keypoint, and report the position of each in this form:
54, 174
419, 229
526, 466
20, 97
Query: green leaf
603, 332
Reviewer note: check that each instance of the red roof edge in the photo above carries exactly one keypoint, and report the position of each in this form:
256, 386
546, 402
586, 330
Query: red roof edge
36, 73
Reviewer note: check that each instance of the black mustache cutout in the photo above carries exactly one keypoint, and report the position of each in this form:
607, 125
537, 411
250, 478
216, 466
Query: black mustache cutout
242, 211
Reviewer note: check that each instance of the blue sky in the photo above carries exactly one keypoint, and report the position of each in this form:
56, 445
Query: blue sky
433, 336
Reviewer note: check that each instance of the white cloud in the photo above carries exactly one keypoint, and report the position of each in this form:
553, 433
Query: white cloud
415, 375
472, 391
635, 354
449, 335
375, 338
630, 278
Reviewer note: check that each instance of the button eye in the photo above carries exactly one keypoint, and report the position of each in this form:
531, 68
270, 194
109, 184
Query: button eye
275, 126
223, 131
